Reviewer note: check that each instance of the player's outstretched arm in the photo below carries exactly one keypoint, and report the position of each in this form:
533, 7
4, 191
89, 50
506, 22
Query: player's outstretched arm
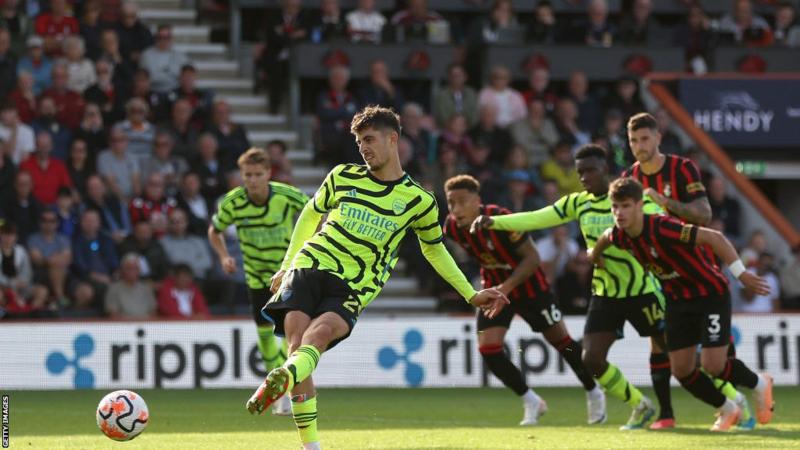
490, 300
723, 248
546, 217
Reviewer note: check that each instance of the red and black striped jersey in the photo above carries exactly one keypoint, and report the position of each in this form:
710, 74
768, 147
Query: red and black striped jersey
666, 247
496, 251
679, 179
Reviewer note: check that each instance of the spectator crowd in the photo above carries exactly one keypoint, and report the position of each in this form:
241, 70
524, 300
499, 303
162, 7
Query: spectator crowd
518, 140
111, 164
112, 159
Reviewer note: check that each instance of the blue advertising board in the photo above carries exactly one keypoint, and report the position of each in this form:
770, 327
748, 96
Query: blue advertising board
745, 113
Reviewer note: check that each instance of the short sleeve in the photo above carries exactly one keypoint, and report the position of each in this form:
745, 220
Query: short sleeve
324, 200
224, 216
673, 230
426, 225
690, 182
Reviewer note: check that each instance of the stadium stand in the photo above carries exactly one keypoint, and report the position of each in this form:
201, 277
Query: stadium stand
157, 98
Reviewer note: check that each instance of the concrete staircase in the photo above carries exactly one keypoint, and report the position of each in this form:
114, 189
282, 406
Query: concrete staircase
220, 73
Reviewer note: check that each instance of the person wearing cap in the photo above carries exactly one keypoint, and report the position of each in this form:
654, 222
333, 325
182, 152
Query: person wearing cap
37, 64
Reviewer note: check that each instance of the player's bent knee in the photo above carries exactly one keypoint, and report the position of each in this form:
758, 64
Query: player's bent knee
714, 368
595, 362
680, 371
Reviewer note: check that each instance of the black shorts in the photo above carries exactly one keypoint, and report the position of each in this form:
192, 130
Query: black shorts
705, 320
313, 292
258, 298
540, 313
644, 312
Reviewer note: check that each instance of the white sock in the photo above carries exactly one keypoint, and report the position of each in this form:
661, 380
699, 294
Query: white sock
761, 384
530, 397
596, 391
739, 397
312, 446
727, 407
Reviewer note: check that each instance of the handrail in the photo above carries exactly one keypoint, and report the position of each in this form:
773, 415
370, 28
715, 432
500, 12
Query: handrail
672, 76
235, 29
724, 163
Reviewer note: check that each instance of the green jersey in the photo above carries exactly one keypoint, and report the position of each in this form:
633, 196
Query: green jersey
367, 219
622, 276
264, 231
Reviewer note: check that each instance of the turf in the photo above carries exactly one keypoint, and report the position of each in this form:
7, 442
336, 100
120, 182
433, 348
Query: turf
383, 419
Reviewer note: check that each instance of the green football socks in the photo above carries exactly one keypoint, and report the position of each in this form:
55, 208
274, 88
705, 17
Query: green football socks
302, 363
305, 417
273, 352
614, 382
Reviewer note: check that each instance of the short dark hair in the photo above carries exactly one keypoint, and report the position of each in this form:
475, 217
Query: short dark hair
64, 191
254, 155
279, 143
188, 68
590, 151
180, 268
467, 182
376, 117
642, 120
626, 188
8, 227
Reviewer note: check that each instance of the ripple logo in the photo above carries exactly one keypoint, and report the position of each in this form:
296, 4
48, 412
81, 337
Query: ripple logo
737, 335
57, 362
388, 357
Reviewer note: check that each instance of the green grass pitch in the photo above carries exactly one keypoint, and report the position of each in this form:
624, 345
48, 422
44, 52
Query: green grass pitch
384, 419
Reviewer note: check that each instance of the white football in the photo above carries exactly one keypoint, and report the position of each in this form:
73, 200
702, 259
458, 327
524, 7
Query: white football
122, 415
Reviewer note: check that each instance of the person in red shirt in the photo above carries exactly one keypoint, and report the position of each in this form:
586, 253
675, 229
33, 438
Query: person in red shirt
510, 262
179, 297
141, 208
55, 26
69, 104
48, 174
698, 306
24, 98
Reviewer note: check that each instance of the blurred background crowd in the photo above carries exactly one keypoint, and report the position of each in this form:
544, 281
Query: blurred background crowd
113, 158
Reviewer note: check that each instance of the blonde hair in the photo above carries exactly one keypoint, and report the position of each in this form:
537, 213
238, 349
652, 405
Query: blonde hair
255, 155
